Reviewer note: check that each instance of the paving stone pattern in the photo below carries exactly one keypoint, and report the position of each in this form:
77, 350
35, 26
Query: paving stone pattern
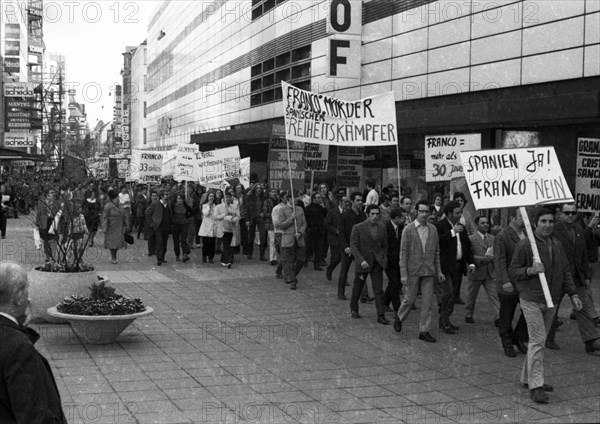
237, 346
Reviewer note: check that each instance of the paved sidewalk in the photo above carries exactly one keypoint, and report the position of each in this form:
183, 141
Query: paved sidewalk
237, 345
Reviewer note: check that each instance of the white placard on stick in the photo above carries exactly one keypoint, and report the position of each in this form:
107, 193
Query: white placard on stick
216, 166
587, 186
150, 167
186, 164
316, 157
515, 177
442, 161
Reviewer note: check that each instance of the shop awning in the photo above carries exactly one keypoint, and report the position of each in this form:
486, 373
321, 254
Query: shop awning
12, 154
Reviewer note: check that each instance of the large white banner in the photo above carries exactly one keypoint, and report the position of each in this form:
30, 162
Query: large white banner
587, 186
515, 177
442, 162
316, 118
186, 164
218, 165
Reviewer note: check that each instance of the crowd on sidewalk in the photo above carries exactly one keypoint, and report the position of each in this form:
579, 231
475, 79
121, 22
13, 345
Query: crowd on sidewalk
427, 249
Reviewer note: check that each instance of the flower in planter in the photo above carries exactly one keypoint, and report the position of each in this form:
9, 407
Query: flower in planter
102, 301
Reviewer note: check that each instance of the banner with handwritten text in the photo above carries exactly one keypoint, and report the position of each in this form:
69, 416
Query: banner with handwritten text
316, 118
218, 165
350, 166
587, 185
515, 177
186, 164
316, 157
280, 171
150, 167
442, 162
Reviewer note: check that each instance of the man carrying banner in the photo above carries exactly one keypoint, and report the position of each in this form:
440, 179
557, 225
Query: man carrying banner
525, 272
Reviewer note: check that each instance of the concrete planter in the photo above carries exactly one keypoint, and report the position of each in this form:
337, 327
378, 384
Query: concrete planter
101, 329
47, 289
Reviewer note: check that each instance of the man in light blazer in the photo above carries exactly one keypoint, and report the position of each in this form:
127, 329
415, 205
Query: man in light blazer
292, 224
484, 273
419, 267
368, 245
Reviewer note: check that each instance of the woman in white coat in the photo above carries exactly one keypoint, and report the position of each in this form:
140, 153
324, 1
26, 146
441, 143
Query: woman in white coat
208, 229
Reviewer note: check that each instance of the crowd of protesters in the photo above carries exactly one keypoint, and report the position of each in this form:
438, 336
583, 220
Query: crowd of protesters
425, 248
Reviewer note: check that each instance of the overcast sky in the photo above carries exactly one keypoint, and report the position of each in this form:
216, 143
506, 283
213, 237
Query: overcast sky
93, 35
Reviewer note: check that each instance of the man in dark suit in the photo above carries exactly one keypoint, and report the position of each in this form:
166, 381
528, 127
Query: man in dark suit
349, 219
159, 217
572, 238
332, 224
484, 273
368, 245
28, 391
455, 252
394, 229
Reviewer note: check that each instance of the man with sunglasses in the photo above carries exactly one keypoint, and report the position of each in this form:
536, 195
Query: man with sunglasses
572, 238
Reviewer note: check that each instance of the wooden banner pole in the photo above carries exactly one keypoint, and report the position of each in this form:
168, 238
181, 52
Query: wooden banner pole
536, 256
287, 143
398, 164
312, 181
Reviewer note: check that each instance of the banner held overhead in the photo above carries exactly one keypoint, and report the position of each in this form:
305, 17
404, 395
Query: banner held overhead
316, 118
587, 185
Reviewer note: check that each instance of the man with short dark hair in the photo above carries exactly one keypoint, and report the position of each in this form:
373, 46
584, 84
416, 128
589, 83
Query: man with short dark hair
572, 238
525, 272
484, 273
159, 217
28, 391
148, 217
315, 215
455, 253
349, 219
394, 229
332, 223
368, 245
419, 266
292, 224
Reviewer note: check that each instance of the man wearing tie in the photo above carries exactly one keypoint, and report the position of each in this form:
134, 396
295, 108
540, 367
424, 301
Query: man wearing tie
394, 229
484, 273
455, 252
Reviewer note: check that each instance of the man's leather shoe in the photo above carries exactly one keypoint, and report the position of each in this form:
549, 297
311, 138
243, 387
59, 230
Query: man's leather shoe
497, 323
328, 276
293, 286
426, 337
538, 395
469, 320
545, 387
397, 325
510, 352
452, 326
383, 320
413, 307
448, 330
318, 268
273, 263
597, 321
355, 314
522, 346
559, 323
342, 297
159, 263
458, 301
551, 344
592, 346
363, 300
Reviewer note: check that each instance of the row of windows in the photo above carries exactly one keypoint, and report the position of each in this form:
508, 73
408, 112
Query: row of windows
292, 67
260, 7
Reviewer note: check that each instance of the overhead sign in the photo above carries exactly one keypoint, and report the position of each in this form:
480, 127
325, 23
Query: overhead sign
316, 118
316, 157
19, 139
344, 24
219, 165
186, 166
442, 162
23, 163
587, 185
18, 89
349, 167
515, 177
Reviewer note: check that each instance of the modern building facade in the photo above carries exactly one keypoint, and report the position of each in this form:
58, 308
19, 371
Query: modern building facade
214, 71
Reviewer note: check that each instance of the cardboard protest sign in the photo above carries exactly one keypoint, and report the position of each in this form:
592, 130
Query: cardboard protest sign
98, 167
279, 169
587, 185
245, 171
442, 162
186, 164
349, 166
316, 157
515, 177
216, 166
316, 118
123, 168
150, 166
